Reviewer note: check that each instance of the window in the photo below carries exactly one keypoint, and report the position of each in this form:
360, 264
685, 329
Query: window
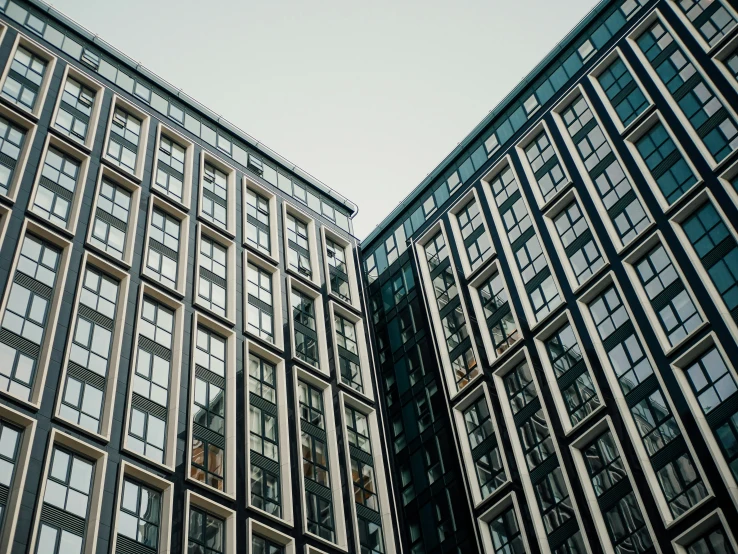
139, 515
348, 353
26, 315
318, 495
711, 19
147, 431
260, 319
68, 488
474, 234
485, 450
498, 314
10, 445
706, 114
505, 533
717, 250
578, 241
712, 541
75, 109
12, 141
264, 436
170, 168
305, 330
621, 89
572, 375
545, 165
619, 200
25, 78
364, 480
338, 274
673, 305
215, 196
110, 225
89, 354
212, 276
680, 482
665, 163
623, 519
533, 267
206, 533
162, 258
56, 188
258, 222
299, 247
260, 545
209, 410
124, 139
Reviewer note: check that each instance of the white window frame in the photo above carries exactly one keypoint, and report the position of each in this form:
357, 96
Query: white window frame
218, 510
43, 89
353, 278
65, 247
324, 367
21, 164
253, 186
170, 455
257, 528
230, 247
184, 236
730, 173
696, 34
721, 53
230, 228
705, 524
72, 72
509, 500
116, 351
459, 205
80, 185
314, 279
277, 308
141, 153
163, 130
336, 309
4, 220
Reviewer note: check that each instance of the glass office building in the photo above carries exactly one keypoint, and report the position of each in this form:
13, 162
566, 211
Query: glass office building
184, 357
554, 309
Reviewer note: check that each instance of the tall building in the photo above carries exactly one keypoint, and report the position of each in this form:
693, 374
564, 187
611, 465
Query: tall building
554, 308
184, 359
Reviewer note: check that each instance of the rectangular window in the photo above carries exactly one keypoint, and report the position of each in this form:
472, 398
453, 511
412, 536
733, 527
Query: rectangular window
115, 214
74, 116
139, 516
665, 163
495, 305
477, 242
12, 146
124, 139
305, 328
623, 92
623, 518
612, 187
215, 196
338, 274
170, 168
717, 250
349, 361
679, 480
318, 495
164, 246
24, 82
91, 336
710, 18
505, 532
56, 194
578, 242
258, 222
298, 256
713, 540
264, 436
704, 111
545, 165
213, 272
206, 533
485, 450
11, 437
260, 545
25, 321
260, 318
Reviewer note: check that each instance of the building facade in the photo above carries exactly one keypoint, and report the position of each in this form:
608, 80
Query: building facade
184, 358
554, 310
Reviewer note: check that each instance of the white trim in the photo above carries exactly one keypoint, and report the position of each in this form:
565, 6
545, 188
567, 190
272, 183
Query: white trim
74, 73
309, 222
230, 247
336, 309
29, 128
172, 135
712, 521
250, 257
256, 528
250, 184
35, 48
322, 345
141, 152
219, 511
508, 501
471, 196
351, 265
697, 35
230, 172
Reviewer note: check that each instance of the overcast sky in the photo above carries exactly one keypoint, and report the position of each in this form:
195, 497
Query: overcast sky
366, 96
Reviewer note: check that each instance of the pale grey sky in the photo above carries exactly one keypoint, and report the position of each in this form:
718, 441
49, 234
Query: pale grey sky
367, 96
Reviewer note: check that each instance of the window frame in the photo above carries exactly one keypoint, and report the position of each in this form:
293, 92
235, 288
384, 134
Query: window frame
299, 374
89, 141
250, 184
628, 419
631, 260
43, 89
55, 305
131, 227
540, 342
482, 390
11, 513
285, 466
141, 153
29, 127
255, 527
353, 278
229, 458
309, 222
174, 382
324, 367
549, 216
730, 173
184, 231
116, 345
696, 33
230, 248
720, 55
99, 459
230, 172
506, 502
79, 191
250, 257
707, 523
164, 131
471, 196
166, 507
336, 309
193, 499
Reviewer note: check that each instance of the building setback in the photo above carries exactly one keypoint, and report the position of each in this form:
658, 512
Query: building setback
555, 308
